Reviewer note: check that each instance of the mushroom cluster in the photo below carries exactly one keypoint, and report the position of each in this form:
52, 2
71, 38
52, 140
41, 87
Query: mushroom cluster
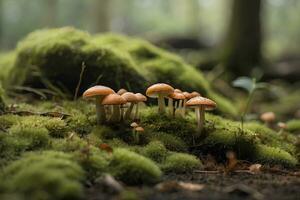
110, 106
115, 107
178, 101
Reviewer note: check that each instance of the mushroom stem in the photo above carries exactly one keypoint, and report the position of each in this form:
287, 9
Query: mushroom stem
201, 118
179, 109
122, 113
128, 111
184, 107
116, 113
171, 107
136, 111
161, 104
100, 111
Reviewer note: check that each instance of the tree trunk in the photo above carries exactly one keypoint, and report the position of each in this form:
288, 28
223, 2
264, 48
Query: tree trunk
242, 50
50, 15
100, 16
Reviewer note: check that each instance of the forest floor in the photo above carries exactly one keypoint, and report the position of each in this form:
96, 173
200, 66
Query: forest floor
216, 187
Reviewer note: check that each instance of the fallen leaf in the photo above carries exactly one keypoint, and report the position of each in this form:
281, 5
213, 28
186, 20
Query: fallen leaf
231, 161
173, 186
255, 168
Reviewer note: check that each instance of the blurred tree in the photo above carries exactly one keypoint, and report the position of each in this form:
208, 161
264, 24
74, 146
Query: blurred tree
50, 15
242, 50
100, 15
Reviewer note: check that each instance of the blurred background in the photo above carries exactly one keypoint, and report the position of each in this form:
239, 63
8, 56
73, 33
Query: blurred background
240, 35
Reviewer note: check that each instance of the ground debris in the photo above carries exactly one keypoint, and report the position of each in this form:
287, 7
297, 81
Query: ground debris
109, 184
243, 190
173, 186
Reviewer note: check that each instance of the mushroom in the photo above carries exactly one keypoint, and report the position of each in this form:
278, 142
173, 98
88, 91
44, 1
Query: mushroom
282, 127
268, 117
138, 130
187, 97
121, 91
141, 98
176, 96
115, 100
98, 92
132, 99
201, 104
159, 91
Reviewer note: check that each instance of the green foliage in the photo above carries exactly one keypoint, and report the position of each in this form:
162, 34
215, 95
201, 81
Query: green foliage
181, 163
156, 151
46, 175
171, 142
7, 61
293, 126
132, 168
272, 155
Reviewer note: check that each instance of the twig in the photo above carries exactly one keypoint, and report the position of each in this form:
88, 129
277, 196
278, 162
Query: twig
83, 66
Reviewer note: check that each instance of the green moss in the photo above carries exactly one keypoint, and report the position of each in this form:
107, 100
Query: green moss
34, 137
155, 151
273, 155
51, 175
132, 168
68, 145
181, 163
270, 137
6, 121
7, 61
134, 64
293, 126
171, 142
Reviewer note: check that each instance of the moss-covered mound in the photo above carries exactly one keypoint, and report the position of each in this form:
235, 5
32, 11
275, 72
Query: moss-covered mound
53, 58
46, 175
294, 126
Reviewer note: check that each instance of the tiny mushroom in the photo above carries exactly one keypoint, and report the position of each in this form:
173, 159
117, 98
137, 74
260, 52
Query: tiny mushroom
132, 99
176, 96
98, 92
138, 130
159, 91
121, 91
201, 104
141, 98
115, 100
268, 117
282, 127
187, 97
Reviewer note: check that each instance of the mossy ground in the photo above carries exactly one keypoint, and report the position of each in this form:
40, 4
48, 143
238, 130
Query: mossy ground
168, 145
53, 59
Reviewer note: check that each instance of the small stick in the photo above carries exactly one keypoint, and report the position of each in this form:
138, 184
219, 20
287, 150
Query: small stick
83, 66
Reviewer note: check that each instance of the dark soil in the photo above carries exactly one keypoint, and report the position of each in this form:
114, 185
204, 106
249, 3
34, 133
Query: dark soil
218, 187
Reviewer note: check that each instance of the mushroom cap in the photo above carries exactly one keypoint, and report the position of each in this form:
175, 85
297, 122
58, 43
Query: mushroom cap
141, 97
113, 99
130, 97
282, 125
134, 125
201, 101
187, 95
177, 90
98, 90
177, 96
159, 89
139, 129
268, 117
121, 91
195, 94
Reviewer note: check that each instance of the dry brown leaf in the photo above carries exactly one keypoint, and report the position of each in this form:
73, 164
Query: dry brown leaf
255, 168
170, 186
231, 161
106, 147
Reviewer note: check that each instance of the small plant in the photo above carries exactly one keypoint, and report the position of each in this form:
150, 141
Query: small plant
250, 85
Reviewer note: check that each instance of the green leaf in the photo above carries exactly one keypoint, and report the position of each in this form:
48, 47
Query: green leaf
245, 83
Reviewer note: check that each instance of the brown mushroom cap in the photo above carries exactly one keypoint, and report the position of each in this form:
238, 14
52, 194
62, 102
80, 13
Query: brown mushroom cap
268, 117
139, 129
198, 101
113, 99
159, 88
98, 90
130, 97
121, 91
134, 125
177, 96
177, 90
195, 94
282, 125
141, 97
187, 95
